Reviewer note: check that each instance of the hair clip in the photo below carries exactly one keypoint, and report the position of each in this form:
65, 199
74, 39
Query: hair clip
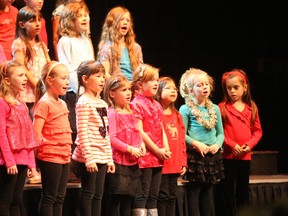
142, 69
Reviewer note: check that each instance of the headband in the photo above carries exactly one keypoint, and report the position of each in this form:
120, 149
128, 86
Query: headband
236, 73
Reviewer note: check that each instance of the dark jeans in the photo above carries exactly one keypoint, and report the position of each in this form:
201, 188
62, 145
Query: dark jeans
12, 191
235, 186
167, 195
54, 183
151, 180
200, 199
92, 189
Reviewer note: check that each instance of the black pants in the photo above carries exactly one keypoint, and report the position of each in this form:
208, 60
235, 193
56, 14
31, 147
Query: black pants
54, 183
11, 192
167, 195
92, 189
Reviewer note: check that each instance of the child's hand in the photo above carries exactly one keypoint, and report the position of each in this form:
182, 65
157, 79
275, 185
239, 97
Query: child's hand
164, 154
31, 172
183, 171
237, 150
202, 148
245, 148
143, 149
214, 148
136, 152
92, 168
12, 170
111, 168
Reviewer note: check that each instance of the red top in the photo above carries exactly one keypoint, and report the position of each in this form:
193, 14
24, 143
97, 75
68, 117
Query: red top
238, 130
175, 131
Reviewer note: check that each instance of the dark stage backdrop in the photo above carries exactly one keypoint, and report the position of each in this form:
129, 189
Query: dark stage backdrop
215, 36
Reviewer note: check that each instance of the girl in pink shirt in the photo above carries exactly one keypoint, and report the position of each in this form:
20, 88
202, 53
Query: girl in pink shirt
127, 146
242, 131
54, 133
149, 113
17, 138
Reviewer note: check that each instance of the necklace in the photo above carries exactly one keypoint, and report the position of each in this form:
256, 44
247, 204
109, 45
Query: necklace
199, 115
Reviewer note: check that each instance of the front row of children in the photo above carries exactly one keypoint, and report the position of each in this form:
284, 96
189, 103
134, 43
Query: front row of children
143, 149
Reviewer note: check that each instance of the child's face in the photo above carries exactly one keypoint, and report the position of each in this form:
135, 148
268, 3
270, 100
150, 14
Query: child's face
35, 3
32, 26
201, 87
169, 93
149, 88
122, 95
94, 83
82, 21
59, 83
18, 80
235, 88
124, 24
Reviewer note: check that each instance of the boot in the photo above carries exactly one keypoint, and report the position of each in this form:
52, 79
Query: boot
139, 212
152, 212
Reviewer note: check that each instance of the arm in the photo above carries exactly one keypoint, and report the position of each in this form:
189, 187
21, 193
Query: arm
55, 35
20, 58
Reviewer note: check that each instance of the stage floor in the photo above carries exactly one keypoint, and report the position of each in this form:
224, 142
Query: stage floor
260, 179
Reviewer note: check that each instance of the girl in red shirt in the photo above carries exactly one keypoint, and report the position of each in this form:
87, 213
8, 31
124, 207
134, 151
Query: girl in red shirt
242, 131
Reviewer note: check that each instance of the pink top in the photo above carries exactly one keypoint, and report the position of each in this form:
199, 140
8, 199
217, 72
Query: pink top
55, 144
175, 131
35, 66
17, 136
8, 29
93, 141
238, 130
150, 112
123, 131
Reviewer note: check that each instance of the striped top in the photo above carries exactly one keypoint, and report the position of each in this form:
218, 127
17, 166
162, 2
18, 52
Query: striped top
93, 141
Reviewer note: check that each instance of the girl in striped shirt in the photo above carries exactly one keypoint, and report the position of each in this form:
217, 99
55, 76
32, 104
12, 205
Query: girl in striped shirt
93, 154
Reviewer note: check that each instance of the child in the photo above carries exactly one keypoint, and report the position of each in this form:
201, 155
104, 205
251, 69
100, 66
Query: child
204, 138
73, 48
38, 4
242, 131
54, 132
149, 113
29, 50
60, 4
93, 153
8, 16
17, 138
118, 50
175, 131
127, 146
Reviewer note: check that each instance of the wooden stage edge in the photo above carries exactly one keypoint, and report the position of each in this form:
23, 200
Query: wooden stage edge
254, 179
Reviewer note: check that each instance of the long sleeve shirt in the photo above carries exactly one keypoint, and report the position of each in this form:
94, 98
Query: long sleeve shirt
93, 140
239, 130
196, 131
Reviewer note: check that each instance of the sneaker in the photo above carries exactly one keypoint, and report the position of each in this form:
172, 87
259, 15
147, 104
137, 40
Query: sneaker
36, 179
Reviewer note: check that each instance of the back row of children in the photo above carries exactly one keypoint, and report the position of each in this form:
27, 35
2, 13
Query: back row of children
140, 149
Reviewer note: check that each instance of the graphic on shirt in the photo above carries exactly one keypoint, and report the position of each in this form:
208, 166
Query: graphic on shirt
172, 129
